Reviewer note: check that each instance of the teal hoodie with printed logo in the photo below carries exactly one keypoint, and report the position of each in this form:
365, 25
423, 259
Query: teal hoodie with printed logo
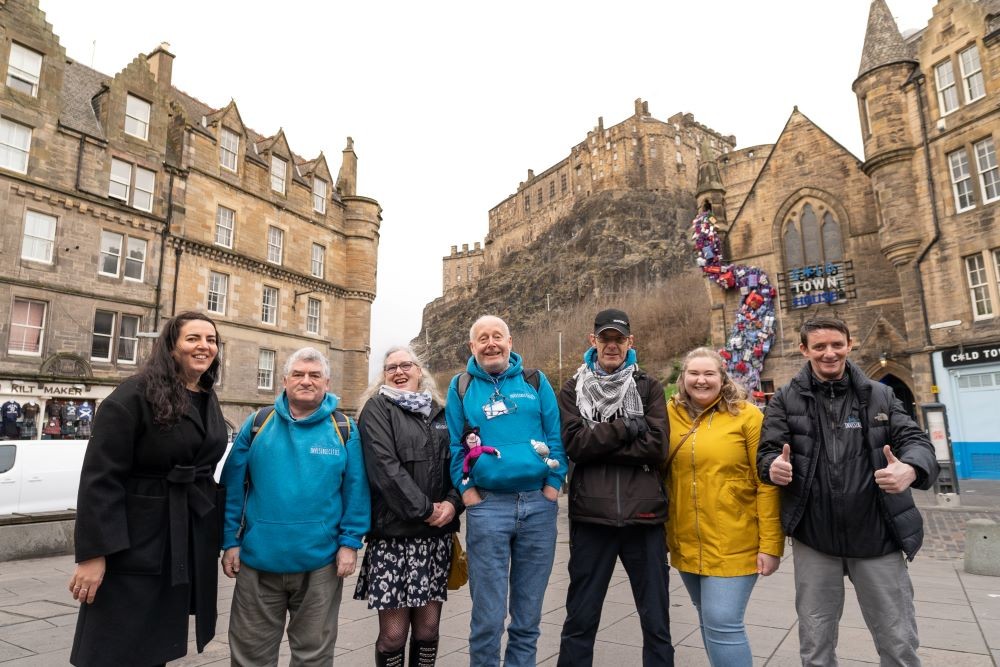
536, 418
308, 491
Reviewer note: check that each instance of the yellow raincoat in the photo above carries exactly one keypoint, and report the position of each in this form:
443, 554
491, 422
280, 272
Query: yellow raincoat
721, 514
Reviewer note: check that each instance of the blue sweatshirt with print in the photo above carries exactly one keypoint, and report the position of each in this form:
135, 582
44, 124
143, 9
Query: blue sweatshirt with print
536, 417
308, 491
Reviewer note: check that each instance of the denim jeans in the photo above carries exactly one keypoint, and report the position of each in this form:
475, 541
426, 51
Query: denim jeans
511, 543
721, 604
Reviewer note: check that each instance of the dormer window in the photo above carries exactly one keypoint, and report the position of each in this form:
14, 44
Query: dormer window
229, 149
319, 195
137, 117
279, 168
24, 68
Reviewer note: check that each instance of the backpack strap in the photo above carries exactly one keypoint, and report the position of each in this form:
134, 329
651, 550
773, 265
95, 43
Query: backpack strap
343, 425
464, 378
259, 419
532, 376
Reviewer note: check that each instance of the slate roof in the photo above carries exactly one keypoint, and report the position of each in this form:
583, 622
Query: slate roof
884, 44
80, 85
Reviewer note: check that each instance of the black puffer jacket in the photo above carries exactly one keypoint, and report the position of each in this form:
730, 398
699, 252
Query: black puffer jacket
616, 479
406, 459
792, 416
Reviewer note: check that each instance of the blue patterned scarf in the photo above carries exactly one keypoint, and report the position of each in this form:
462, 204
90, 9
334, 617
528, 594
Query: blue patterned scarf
414, 401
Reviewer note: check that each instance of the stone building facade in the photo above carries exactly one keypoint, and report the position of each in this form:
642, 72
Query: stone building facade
123, 201
640, 153
913, 226
461, 269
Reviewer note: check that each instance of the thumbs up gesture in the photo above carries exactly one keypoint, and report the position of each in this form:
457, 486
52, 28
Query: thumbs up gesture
781, 467
896, 476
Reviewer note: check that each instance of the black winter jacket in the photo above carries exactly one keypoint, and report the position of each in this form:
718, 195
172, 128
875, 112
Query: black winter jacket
407, 463
616, 479
792, 417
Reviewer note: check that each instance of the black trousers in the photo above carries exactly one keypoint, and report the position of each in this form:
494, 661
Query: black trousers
593, 552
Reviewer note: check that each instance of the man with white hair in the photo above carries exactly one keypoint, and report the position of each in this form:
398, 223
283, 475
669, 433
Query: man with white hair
297, 509
508, 463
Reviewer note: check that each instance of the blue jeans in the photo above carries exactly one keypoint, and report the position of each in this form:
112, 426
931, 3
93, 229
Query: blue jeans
721, 604
511, 543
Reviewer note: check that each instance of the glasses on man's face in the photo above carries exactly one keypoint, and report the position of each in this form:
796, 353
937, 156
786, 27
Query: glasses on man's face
406, 367
606, 339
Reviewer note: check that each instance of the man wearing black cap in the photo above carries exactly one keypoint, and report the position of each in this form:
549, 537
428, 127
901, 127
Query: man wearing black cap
614, 428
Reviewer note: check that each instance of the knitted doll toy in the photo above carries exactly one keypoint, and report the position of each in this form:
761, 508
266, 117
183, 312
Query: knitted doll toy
474, 448
543, 450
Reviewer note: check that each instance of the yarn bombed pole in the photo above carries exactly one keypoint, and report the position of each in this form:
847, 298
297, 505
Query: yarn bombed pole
752, 333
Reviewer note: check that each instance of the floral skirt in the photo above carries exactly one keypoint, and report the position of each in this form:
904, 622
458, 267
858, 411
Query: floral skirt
404, 572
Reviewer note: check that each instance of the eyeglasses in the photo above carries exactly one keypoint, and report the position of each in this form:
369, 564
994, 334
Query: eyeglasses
606, 339
406, 367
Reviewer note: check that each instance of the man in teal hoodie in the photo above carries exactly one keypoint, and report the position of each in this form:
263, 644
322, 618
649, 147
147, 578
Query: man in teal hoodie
292, 534
510, 495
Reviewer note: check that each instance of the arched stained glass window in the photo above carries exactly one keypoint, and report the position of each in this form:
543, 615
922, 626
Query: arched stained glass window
806, 241
810, 236
833, 247
793, 246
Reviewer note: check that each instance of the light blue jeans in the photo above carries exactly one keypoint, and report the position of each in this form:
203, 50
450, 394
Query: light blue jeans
511, 543
721, 604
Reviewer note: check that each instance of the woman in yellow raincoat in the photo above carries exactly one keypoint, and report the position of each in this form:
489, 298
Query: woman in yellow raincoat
724, 527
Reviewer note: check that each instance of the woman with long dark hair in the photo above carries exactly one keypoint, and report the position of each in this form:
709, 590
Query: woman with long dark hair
149, 511
415, 509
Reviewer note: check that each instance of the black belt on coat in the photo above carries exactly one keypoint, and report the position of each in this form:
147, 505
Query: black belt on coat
182, 494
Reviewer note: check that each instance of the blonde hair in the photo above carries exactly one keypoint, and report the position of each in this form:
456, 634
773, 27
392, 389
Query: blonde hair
427, 382
733, 396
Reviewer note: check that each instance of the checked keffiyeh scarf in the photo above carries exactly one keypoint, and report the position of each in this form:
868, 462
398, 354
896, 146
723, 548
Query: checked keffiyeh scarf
414, 401
601, 398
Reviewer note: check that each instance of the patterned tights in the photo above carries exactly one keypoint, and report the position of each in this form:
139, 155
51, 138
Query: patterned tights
394, 625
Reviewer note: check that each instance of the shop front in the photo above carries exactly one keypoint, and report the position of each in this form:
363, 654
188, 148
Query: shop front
34, 410
968, 380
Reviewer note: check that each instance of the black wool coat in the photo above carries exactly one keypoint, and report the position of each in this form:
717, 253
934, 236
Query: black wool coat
148, 503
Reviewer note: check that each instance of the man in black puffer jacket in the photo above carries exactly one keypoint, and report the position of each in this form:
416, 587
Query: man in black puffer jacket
846, 454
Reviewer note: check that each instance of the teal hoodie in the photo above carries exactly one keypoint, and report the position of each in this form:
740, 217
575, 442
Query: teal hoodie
308, 492
519, 467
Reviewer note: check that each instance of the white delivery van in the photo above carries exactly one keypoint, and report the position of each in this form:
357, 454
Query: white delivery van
39, 475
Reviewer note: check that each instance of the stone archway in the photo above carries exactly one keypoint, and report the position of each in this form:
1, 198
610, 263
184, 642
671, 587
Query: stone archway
902, 391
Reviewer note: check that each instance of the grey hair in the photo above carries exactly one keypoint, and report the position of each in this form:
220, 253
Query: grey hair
307, 354
483, 318
427, 382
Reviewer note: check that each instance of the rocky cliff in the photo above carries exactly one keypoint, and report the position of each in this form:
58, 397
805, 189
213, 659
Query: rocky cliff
611, 242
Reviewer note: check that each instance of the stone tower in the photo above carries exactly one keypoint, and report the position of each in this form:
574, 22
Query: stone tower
888, 104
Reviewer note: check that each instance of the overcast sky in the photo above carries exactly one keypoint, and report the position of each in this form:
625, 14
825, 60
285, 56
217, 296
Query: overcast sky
450, 103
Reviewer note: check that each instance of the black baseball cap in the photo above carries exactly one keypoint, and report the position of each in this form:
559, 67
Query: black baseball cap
612, 319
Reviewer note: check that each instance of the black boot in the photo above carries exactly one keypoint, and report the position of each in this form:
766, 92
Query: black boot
394, 659
423, 653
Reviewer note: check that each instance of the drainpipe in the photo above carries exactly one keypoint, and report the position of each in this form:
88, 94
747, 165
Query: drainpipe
163, 248
934, 219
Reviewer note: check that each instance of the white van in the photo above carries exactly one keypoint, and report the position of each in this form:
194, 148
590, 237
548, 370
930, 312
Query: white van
39, 475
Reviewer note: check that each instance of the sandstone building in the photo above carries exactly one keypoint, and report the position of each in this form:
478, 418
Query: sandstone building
124, 200
913, 227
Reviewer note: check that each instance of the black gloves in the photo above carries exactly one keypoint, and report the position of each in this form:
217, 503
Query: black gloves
635, 426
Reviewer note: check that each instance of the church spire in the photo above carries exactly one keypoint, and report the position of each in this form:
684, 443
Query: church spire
883, 42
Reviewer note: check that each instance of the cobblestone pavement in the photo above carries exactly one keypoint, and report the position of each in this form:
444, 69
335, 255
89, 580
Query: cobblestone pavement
944, 526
